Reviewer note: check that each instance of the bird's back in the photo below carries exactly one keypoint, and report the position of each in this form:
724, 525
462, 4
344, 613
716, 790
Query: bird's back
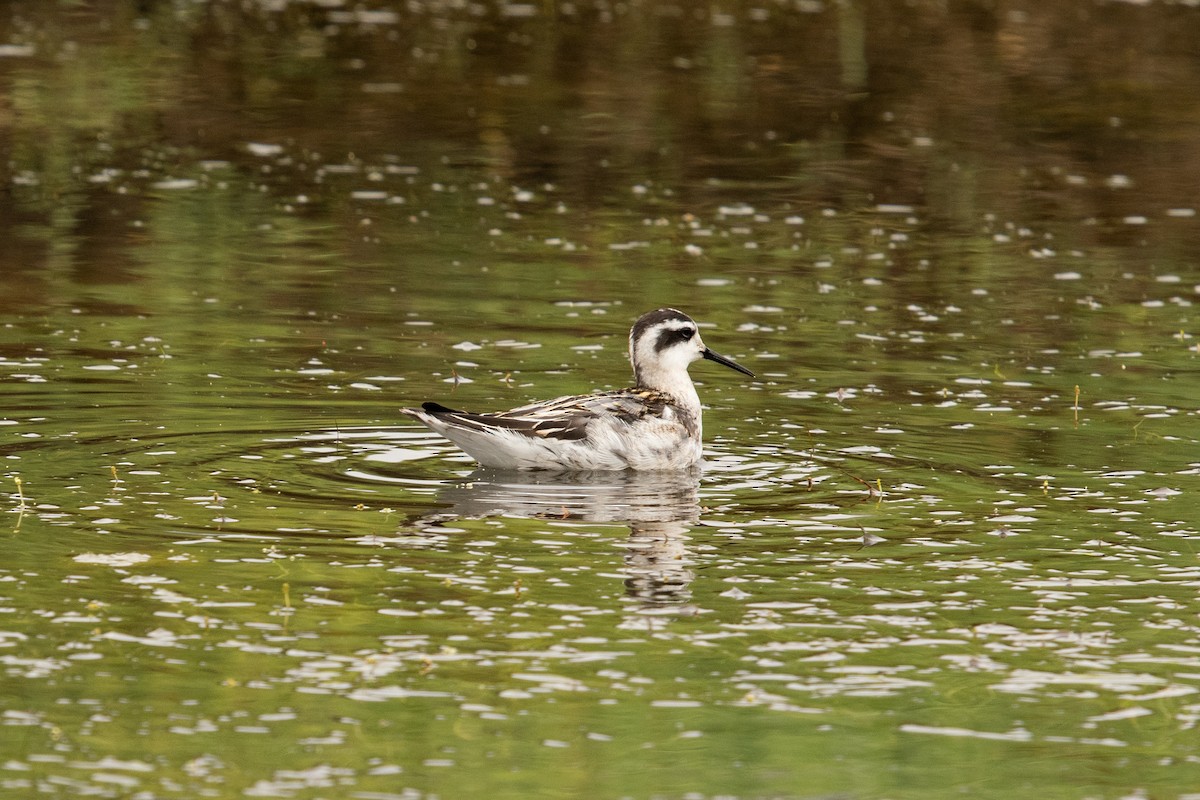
624, 429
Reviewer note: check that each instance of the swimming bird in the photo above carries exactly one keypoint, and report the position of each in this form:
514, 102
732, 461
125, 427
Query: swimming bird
654, 425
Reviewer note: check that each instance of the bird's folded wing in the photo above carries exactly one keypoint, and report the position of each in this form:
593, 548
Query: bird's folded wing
566, 417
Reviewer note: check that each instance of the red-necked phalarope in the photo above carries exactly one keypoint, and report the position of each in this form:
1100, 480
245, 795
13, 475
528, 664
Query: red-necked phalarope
653, 426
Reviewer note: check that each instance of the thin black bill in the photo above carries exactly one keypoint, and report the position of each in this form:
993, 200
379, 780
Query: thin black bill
729, 362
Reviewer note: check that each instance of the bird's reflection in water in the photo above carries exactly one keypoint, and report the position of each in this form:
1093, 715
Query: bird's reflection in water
658, 566
659, 507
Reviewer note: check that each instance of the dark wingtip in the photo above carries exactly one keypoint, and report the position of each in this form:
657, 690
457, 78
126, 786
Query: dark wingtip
438, 408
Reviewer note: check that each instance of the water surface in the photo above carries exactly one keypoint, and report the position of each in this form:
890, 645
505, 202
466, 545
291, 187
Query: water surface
945, 543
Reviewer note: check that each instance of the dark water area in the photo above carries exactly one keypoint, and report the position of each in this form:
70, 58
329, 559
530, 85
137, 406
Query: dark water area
945, 542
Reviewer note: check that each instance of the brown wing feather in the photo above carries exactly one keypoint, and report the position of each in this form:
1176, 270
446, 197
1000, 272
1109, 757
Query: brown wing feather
566, 418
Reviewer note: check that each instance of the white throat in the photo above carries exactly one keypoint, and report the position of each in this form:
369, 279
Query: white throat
673, 381
666, 370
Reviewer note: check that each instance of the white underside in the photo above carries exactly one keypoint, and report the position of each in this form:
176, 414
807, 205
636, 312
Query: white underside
609, 445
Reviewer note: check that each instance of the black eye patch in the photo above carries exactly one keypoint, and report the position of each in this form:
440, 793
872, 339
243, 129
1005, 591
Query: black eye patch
668, 338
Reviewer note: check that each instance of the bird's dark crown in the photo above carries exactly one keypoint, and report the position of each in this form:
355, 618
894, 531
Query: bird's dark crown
669, 318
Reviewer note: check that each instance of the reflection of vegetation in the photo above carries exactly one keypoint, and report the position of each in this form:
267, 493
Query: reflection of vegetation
592, 100
588, 154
